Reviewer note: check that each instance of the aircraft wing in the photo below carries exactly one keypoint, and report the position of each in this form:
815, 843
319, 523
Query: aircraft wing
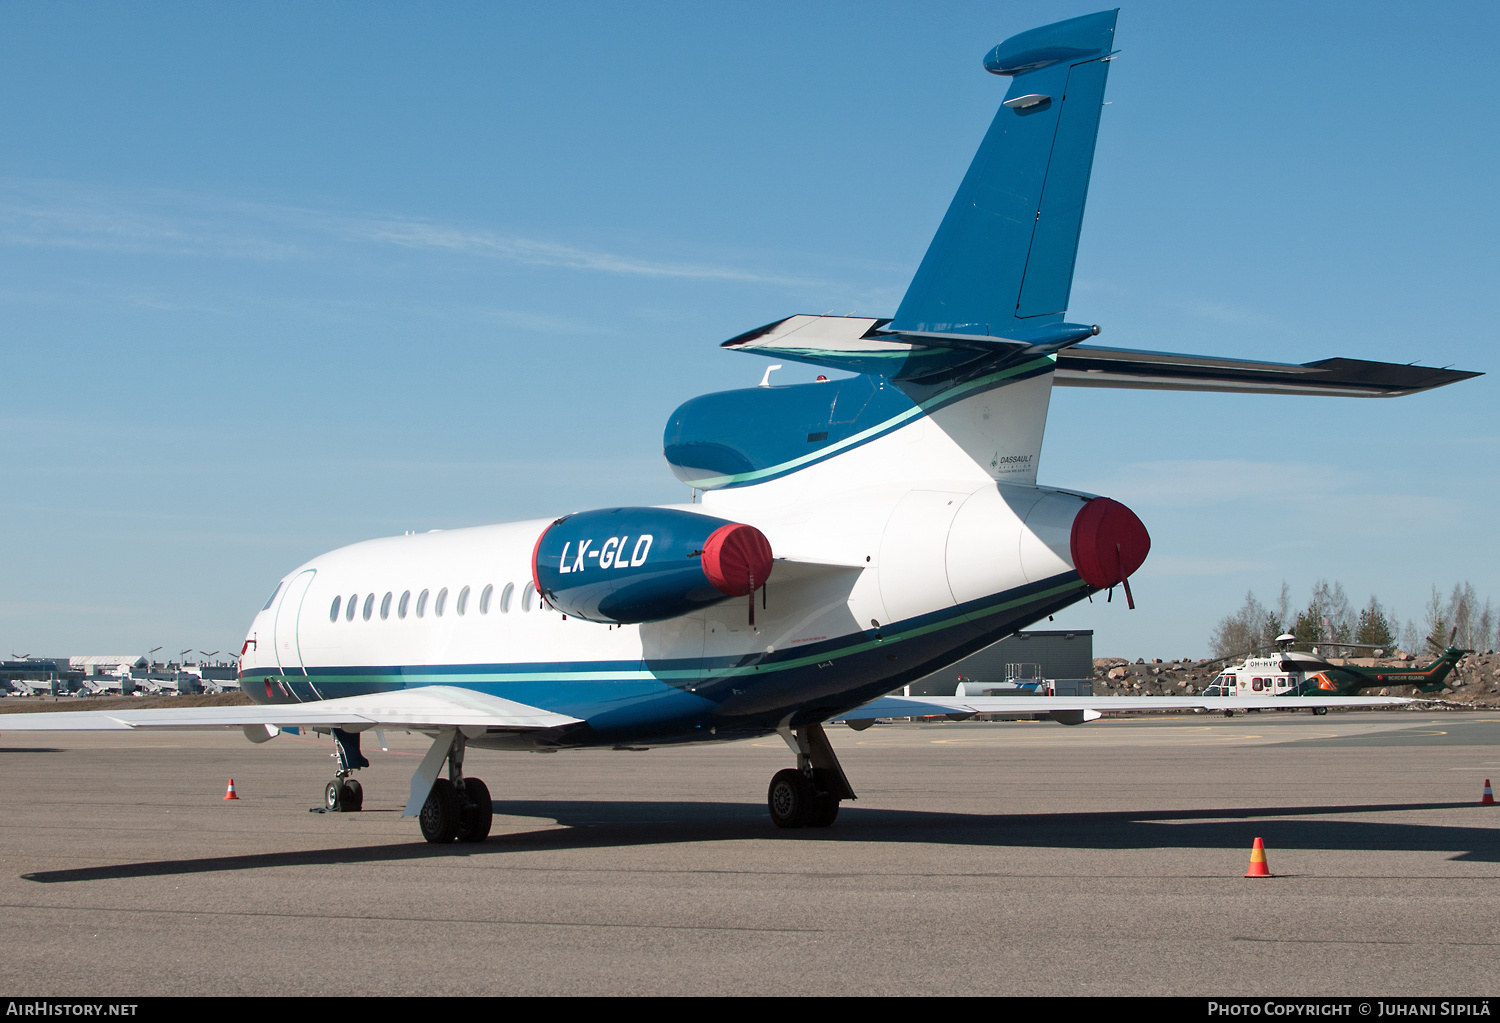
425, 707
1075, 710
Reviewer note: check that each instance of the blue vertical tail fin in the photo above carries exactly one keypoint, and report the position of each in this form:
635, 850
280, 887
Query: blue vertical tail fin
1001, 263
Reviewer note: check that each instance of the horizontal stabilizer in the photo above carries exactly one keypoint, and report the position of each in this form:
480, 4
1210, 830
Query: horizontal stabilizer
862, 344
423, 707
1091, 366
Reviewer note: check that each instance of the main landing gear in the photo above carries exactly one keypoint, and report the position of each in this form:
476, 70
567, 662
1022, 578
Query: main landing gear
451, 808
344, 794
808, 796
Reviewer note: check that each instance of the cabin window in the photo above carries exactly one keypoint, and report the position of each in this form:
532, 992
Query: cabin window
385, 606
505, 595
351, 607
333, 612
526, 596
401, 607
422, 604
463, 601
442, 601
1257, 684
484, 599
369, 608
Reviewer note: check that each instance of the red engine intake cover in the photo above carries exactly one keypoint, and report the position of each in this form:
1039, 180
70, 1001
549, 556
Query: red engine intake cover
737, 559
1109, 543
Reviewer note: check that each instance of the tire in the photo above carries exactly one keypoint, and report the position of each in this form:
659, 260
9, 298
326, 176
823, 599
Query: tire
440, 814
1320, 710
333, 796
789, 798
1228, 712
354, 796
823, 811
478, 813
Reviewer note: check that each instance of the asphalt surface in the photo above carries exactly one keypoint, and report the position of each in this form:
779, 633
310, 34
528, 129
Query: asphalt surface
980, 858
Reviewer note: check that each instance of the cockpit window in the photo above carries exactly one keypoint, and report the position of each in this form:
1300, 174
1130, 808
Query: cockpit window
272, 600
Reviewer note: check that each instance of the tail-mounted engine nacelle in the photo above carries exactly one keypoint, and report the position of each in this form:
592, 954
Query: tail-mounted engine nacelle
630, 565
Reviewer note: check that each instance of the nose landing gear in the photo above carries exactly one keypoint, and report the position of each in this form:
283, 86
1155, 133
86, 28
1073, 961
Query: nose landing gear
344, 794
809, 795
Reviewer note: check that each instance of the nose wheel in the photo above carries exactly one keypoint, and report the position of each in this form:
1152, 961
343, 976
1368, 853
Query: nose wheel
343, 795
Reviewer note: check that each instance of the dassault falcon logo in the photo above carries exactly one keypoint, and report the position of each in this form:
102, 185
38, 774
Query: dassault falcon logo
611, 552
1012, 463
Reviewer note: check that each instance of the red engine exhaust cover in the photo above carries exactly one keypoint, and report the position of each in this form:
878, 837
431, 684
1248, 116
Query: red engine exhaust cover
1108, 543
737, 559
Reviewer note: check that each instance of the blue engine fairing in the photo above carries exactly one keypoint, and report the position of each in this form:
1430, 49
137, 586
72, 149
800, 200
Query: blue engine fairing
626, 565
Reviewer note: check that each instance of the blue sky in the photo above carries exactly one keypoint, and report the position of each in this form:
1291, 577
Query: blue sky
280, 277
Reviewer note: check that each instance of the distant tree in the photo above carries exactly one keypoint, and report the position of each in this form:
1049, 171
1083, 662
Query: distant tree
1463, 611
1252, 627
1375, 626
1436, 619
1411, 639
1327, 616
1486, 628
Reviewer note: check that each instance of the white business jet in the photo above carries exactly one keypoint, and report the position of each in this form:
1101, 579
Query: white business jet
853, 535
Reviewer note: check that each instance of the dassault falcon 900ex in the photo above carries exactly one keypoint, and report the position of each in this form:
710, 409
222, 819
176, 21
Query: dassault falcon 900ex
894, 513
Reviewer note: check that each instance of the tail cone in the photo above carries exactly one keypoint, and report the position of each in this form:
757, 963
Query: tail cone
1258, 865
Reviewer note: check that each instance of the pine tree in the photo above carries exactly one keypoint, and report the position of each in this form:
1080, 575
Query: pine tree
1375, 627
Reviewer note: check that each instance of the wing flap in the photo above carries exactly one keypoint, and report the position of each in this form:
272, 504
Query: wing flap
1075, 709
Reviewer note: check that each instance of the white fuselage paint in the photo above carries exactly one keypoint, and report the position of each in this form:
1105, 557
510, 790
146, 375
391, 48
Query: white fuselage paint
933, 514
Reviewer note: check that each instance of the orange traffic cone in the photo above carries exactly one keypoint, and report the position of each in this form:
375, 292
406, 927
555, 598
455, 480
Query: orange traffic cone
1258, 866
1488, 799
230, 794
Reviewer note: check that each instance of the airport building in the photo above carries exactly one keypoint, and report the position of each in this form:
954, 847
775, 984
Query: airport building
1023, 657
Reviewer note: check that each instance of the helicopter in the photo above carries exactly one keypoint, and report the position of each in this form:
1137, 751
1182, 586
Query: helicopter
1296, 673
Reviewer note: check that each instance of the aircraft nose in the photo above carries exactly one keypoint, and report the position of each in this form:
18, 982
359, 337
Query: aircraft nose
1108, 543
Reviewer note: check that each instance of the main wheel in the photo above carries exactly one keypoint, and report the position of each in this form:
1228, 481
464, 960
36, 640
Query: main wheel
790, 798
823, 811
478, 813
1320, 710
354, 796
440, 814
333, 796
